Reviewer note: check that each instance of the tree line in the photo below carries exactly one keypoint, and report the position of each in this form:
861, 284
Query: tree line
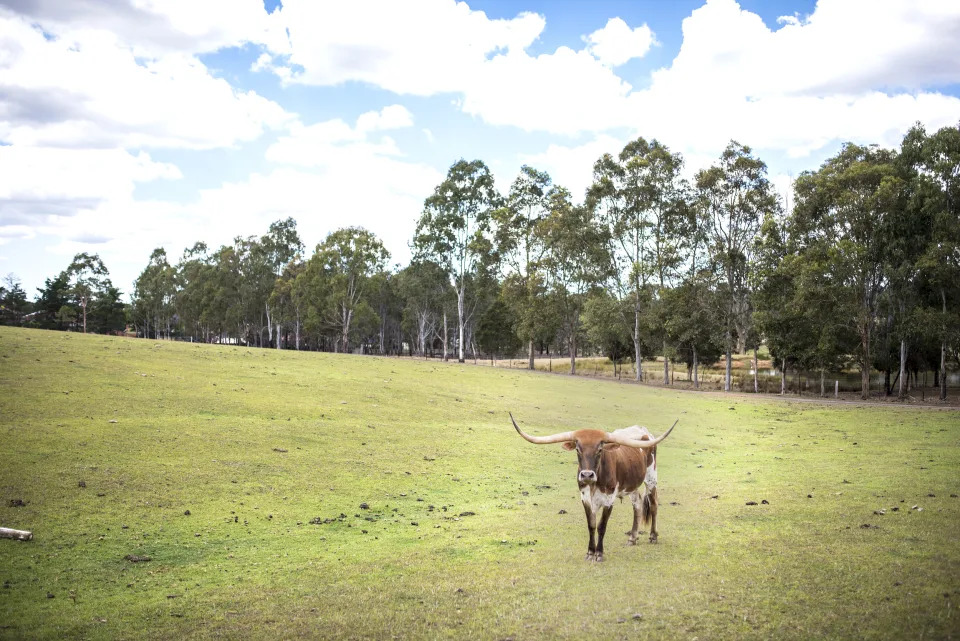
858, 267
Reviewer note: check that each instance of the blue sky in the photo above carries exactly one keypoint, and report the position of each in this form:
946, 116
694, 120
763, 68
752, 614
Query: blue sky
124, 128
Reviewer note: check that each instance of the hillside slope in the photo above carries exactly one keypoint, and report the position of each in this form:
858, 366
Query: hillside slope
468, 531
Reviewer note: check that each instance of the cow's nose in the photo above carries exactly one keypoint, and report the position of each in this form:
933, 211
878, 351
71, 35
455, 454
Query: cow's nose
588, 475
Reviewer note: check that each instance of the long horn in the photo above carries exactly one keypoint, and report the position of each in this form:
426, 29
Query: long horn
629, 442
544, 440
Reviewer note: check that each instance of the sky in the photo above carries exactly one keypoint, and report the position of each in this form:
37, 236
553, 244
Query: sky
127, 125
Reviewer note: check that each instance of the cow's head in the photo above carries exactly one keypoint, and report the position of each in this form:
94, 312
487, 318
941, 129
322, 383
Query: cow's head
590, 446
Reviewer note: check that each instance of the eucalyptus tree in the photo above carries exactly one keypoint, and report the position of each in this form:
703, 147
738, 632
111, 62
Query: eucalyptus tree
607, 326
637, 196
225, 302
774, 279
385, 302
822, 339
107, 310
906, 233
13, 300
734, 194
193, 276
87, 276
576, 260
454, 230
279, 246
286, 301
846, 204
51, 298
666, 195
346, 260
936, 160
691, 322
153, 294
424, 288
495, 331
616, 197
520, 244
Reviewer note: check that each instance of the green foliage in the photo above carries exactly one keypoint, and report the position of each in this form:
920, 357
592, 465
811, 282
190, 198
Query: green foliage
734, 195
521, 244
454, 231
337, 276
13, 301
842, 212
603, 318
424, 288
53, 296
496, 335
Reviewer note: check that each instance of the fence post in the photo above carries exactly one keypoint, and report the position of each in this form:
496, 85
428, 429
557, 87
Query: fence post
836, 389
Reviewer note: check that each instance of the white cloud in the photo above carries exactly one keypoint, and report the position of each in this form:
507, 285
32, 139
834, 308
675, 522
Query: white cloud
566, 92
617, 43
157, 27
327, 143
10, 233
572, 167
392, 117
802, 87
41, 183
419, 48
332, 174
853, 70
85, 88
844, 46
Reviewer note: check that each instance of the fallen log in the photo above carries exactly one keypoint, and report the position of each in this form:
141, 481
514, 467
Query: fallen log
20, 535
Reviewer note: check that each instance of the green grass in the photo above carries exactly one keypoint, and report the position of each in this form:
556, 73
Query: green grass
196, 427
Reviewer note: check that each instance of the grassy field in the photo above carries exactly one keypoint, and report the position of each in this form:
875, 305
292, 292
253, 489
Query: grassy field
213, 461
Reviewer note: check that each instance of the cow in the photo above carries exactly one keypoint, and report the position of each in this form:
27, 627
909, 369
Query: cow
612, 465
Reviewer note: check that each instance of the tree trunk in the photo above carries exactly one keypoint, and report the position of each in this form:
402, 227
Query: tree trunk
530, 349
666, 365
347, 318
444, 336
460, 323
865, 366
903, 367
266, 306
83, 304
756, 373
943, 352
573, 353
822, 391
298, 330
729, 364
696, 378
636, 342
783, 377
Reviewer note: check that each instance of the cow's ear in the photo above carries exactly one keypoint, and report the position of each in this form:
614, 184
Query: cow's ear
569, 445
609, 447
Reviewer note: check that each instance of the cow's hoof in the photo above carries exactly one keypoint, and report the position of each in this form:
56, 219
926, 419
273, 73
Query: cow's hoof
599, 558
653, 538
632, 540
590, 556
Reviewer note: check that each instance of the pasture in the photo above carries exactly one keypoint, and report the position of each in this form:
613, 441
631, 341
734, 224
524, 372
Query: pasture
432, 518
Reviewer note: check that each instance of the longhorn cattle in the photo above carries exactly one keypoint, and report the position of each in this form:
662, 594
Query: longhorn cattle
611, 465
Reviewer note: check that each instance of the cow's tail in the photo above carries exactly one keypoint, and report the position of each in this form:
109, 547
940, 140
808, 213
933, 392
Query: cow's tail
648, 507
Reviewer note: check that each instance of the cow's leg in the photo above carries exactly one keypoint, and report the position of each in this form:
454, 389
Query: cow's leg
602, 529
592, 526
632, 534
650, 511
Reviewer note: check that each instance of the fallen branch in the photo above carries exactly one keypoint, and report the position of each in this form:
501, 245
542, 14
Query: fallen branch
20, 535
